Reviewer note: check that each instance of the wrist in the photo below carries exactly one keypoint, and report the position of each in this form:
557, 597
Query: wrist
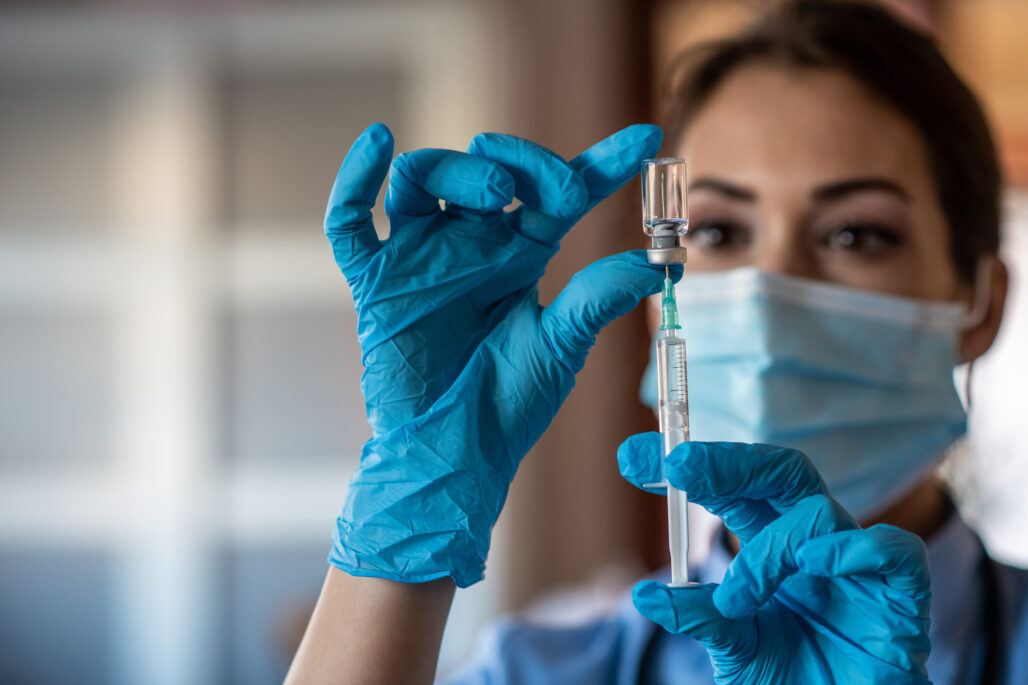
415, 530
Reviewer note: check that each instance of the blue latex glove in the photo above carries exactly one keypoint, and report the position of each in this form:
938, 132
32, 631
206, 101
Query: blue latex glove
811, 597
464, 369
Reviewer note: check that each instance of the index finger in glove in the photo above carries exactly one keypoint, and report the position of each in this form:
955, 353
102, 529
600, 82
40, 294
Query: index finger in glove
604, 167
610, 163
746, 485
769, 557
542, 180
639, 459
899, 556
421, 178
348, 223
713, 472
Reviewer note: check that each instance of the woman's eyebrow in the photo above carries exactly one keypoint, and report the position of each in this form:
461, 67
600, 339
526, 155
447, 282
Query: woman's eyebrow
723, 188
838, 189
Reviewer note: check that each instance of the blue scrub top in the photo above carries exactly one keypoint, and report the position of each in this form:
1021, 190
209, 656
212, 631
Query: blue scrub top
979, 619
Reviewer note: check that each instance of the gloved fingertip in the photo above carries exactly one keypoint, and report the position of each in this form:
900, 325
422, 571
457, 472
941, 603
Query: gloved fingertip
646, 591
682, 610
649, 276
632, 144
353, 194
647, 442
608, 164
654, 601
650, 136
681, 464
497, 189
676, 272
479, 141
639, 459
731, 602
706, 466
574, 197
816, 558
378, 134
373, 149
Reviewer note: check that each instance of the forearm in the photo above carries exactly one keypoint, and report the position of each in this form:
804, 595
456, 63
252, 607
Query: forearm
370, 630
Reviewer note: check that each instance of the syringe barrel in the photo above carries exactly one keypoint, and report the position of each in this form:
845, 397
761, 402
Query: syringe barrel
678, 535
672, 389
673, 396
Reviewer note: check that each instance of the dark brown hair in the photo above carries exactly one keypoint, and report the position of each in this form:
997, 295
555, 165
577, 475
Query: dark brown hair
900, 65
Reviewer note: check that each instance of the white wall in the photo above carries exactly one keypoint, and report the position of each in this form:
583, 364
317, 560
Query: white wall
179, 371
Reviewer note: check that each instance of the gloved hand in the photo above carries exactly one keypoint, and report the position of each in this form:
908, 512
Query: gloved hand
811, 597
463, 368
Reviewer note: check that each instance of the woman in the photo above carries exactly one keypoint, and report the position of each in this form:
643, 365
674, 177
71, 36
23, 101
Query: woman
844, 230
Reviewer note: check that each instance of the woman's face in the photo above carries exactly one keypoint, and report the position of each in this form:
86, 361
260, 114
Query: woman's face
805, 172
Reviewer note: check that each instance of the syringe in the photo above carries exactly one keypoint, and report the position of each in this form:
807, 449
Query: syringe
673, 394
665, 221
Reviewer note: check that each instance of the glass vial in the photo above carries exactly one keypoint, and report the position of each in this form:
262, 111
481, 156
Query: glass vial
665, 209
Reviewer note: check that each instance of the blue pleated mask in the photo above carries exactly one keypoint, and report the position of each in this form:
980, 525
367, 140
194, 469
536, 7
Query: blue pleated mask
862, 383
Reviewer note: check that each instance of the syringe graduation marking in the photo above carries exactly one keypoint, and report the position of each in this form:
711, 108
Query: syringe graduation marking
678, 389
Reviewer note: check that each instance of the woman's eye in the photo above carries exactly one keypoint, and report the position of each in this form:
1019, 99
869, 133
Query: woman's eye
864, 238
717, 235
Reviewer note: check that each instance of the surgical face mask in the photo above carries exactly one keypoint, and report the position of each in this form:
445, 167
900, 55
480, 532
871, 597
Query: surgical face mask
861, 383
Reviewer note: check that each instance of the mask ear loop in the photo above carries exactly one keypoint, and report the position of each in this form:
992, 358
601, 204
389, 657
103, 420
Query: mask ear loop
979, 310
967, 386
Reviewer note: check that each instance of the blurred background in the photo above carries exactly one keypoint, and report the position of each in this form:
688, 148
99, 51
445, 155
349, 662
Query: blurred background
179, 373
